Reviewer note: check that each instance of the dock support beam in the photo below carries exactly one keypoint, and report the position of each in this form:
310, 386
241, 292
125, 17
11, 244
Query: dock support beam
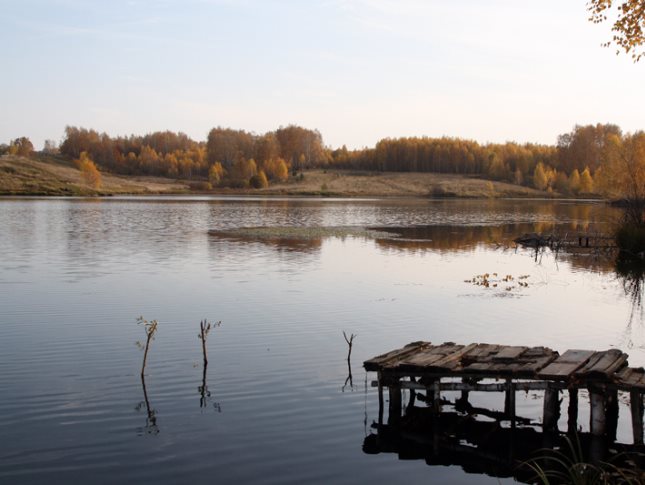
551, 409
572, 422
394, 411
509, 401
598, 419
636, 403
611, 410
380, 399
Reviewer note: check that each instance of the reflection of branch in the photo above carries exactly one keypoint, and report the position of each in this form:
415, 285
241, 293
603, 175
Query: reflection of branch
632, 275
349, 379
151, 418
203, 389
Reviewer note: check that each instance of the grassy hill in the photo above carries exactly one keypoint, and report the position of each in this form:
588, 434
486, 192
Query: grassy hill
54, 176
45, 175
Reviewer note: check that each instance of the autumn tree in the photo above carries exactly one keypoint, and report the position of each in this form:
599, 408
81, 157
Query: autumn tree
540, 180
628, 24
300, 147
21, 146
227, 146
586, 182
574, 181
276, 169
259, 181
242, 171
624, 173
215, 173
89, 172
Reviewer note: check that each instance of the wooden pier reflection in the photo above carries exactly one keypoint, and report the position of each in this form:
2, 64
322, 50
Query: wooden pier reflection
447, 432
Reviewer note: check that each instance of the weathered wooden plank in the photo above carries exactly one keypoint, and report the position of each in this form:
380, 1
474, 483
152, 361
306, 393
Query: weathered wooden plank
379, 361
630, 378
480, 353
509, 353
603, 364
566, 364
452, 361
428, 356
535, 366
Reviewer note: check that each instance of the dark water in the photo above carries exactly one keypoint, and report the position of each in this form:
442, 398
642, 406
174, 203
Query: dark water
75, 274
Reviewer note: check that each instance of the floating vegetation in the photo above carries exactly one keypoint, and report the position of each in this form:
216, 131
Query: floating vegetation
302, 232
506, 283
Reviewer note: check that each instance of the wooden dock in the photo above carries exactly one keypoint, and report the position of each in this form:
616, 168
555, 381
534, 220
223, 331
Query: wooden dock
431, 369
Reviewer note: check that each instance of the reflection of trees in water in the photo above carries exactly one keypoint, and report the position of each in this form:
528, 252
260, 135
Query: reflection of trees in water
631, 273
448, 238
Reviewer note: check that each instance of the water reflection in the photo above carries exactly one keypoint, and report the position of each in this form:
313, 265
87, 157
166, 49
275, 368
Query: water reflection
452, 439
441, 239
151, 427
631, 274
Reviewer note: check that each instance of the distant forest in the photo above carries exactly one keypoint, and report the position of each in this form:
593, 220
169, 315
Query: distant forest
240, 159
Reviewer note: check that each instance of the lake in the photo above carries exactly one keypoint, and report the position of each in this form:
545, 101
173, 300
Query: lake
278, 408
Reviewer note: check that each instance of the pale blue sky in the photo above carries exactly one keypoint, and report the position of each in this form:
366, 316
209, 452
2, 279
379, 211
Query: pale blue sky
357, 70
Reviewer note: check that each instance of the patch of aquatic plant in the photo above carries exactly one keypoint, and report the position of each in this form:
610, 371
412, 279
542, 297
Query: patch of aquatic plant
493, 280
302, 232
568, 465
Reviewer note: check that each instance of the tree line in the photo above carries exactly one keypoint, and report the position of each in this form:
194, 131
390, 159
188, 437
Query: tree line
583, 161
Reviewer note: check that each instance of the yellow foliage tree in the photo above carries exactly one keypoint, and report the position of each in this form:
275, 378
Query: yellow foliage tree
89, 172
276, 169
242, 171
574, 181
259, 181
586, 182
216, 173
540, 180
624, 172
629, 23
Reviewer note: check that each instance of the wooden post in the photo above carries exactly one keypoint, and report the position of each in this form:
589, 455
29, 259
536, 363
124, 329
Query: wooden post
611, 411
551, 409
429, 392
413, 397
437, 397
509, 401
636, 403
598, 420
572, 423
394, 412
380, 399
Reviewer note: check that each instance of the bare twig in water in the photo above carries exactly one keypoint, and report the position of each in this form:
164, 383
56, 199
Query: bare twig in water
350, 341
150, 328
204, 328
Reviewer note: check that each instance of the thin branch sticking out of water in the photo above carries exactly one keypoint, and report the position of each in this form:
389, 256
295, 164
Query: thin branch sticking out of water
150, 328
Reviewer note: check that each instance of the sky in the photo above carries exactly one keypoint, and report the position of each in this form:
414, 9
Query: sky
356, 70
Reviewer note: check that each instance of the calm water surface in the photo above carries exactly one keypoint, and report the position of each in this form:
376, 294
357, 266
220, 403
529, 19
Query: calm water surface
75, 274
